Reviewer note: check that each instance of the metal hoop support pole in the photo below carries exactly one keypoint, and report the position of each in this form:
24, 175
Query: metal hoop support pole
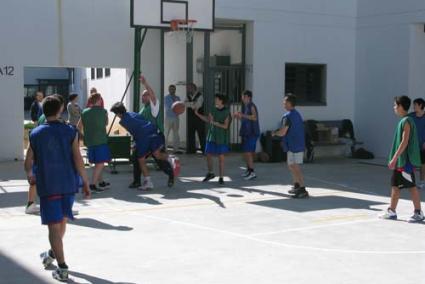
137, 70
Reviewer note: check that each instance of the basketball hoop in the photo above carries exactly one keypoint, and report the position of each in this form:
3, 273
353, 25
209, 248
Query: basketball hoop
186, 26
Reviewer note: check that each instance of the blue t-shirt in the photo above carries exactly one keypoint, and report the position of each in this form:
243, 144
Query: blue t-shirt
249, 128
138, 126
169, 101
420, 127
56, 174
294, 140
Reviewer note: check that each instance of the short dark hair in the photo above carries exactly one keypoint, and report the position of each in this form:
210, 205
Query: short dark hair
118, 108
60, 98
193, 85
291, 99
222, 98
420, 102
403, 101
172, 86
247, 93
72, 97
51, 105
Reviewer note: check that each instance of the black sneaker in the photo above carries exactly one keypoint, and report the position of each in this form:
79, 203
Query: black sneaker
301, 193
221, 181
95, 189
209, 177
134, 184
294, 189
104, 185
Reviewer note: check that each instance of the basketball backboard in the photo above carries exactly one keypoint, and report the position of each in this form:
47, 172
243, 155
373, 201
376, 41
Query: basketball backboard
159, 13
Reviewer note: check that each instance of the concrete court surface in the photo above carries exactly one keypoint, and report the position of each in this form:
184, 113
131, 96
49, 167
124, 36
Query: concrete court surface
244, 232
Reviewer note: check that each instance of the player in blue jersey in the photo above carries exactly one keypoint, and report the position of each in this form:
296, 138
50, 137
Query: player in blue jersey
55, 152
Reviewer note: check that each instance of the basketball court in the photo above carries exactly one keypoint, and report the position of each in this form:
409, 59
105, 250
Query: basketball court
245, 232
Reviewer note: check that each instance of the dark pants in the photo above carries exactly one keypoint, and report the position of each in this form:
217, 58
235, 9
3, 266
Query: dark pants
137, 172
195, 125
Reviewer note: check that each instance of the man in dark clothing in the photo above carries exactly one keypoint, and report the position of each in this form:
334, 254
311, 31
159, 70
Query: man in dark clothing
36, 109
194, 101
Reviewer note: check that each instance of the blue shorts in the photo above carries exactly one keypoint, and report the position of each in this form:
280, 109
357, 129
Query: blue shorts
54, 209
249, 144
99, 154
216, 149
149, 145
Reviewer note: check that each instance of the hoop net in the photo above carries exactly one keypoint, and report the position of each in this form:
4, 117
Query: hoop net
187, 27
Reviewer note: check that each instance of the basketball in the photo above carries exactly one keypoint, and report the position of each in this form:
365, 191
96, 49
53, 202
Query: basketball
178, 108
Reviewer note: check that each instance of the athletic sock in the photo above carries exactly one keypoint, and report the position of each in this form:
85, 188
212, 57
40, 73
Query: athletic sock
51, 254
418, 211
63, 265
30, 203
148, 178
296, 185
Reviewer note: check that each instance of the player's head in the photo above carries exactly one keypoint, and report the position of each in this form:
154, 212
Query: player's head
289, 101
220, 100
95, 100
52, 106
401, 105
172, 89
62, 100
192, 88
93, 91
39, 96
145, 97
73, 97
118, 109
246, 97
419, 104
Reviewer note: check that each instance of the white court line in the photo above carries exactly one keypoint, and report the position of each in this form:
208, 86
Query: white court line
315, 227
280, 244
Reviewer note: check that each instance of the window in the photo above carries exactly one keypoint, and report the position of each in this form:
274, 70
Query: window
99, 73
307, 82
93, 74
107, 72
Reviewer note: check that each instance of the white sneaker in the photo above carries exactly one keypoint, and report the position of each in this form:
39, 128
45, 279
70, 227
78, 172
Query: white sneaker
46, 259
245, 174
61, 274
389, 215
251, 176
32, 209
147, 185
417, 217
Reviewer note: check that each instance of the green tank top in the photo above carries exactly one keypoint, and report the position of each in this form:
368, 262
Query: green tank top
146, 112
412, 153
94, 122
216, 134
41, 119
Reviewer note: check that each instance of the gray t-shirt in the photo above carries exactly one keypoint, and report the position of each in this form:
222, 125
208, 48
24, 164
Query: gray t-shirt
74, 113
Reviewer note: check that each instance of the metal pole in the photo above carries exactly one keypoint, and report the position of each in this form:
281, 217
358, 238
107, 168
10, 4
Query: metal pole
139, 39
136, 72
137, 48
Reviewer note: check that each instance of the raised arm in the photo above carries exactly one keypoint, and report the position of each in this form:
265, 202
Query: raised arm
148, 88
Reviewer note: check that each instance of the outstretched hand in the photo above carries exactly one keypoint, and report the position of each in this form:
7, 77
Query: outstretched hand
142, 79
